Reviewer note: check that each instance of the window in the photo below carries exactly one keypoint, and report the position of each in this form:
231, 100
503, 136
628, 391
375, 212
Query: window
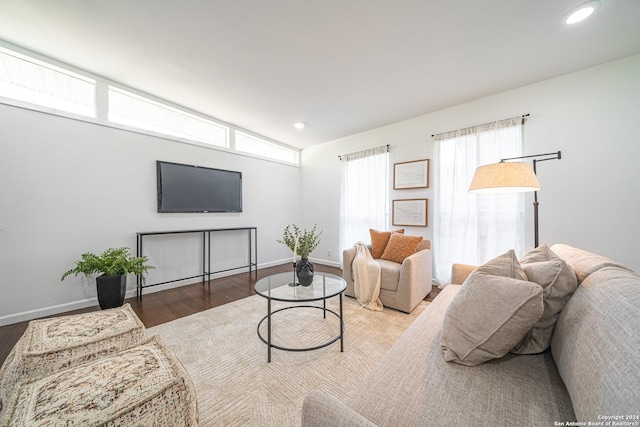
37, 84
473, 228
365, 194
250, 144
27, 79
129, 109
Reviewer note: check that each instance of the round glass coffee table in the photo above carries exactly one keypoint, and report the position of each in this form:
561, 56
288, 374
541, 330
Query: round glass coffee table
280, 287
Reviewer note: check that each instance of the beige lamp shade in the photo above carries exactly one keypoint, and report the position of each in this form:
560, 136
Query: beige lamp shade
506, 177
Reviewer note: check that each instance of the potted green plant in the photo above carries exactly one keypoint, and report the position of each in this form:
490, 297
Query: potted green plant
301, 242
113, 265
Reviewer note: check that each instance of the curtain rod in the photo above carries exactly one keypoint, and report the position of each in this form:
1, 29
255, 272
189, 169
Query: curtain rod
340, 156
524, 116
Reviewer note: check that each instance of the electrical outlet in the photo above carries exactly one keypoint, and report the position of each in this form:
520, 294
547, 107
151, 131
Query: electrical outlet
329, 253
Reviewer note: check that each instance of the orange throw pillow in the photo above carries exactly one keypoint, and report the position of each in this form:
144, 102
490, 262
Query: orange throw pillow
400, 247
379, 240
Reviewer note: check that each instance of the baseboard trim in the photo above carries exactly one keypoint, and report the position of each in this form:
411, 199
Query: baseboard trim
326, 262
25, 316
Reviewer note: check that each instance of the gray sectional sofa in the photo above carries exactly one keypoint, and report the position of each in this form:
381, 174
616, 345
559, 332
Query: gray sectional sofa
591, 373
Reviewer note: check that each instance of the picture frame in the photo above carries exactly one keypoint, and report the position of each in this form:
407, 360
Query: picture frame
413, 174
410, 212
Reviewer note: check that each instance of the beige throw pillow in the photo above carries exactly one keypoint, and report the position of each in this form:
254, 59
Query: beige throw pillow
379, 240
493, 311
540, 254
559, 282
400, 247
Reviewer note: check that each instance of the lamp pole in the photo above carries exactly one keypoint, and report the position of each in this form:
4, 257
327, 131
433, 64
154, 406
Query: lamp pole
554, 156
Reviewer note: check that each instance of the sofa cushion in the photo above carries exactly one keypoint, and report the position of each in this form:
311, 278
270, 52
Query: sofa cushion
558, 282
595, 344
389, 274
379, 240
413, 385
492, 313
142, 386
53, 344
400, 247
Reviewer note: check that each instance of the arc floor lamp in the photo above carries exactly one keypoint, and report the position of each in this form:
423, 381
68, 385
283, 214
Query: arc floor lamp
514, 177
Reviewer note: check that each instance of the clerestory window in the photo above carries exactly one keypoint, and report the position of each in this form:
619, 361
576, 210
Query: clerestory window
259, 147
30, 81
33, 81
137, 111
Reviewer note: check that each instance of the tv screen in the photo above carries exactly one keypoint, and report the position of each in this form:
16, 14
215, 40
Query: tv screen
187, 188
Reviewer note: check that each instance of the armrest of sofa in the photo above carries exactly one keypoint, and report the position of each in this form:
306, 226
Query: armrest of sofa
460, 272
320, 409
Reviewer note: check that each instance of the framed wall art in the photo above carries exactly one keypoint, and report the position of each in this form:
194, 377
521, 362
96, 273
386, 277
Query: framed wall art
412, 212
414, 174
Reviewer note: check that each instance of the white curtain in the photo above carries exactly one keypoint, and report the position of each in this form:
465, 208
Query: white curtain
364, 195
473, 228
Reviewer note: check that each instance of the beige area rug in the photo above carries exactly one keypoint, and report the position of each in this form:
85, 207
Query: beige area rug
227, 361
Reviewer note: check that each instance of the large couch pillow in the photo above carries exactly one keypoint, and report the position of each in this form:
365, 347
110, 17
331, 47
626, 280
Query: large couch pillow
558, 282
379, 240
401, 247
540, 254
493, 311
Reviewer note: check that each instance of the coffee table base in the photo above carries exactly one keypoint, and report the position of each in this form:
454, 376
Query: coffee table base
271, 345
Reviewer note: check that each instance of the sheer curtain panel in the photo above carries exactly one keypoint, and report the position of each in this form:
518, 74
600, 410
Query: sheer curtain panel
364, 195
473, 228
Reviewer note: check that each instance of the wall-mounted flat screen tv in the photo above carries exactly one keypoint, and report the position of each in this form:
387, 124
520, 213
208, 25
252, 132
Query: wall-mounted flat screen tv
188, 188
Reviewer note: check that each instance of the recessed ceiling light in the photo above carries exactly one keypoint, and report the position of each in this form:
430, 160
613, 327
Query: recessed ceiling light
581, 12
299, 125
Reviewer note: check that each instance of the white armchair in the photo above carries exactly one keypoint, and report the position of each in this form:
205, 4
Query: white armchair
402, 286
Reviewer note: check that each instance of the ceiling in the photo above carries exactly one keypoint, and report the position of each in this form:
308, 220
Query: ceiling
340, 66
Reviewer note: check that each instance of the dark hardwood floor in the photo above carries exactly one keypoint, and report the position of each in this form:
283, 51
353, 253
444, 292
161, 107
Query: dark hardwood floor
164, 306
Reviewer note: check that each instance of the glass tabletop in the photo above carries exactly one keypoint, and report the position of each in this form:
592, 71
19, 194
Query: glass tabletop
277, 287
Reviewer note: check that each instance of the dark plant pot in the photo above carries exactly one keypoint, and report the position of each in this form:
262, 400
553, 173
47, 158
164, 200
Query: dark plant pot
304, 271
111, 290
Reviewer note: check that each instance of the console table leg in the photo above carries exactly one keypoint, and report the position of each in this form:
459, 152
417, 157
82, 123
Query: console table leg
139, 277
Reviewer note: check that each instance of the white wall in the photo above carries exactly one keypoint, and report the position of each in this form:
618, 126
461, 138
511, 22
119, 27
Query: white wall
589, 199
68, 187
